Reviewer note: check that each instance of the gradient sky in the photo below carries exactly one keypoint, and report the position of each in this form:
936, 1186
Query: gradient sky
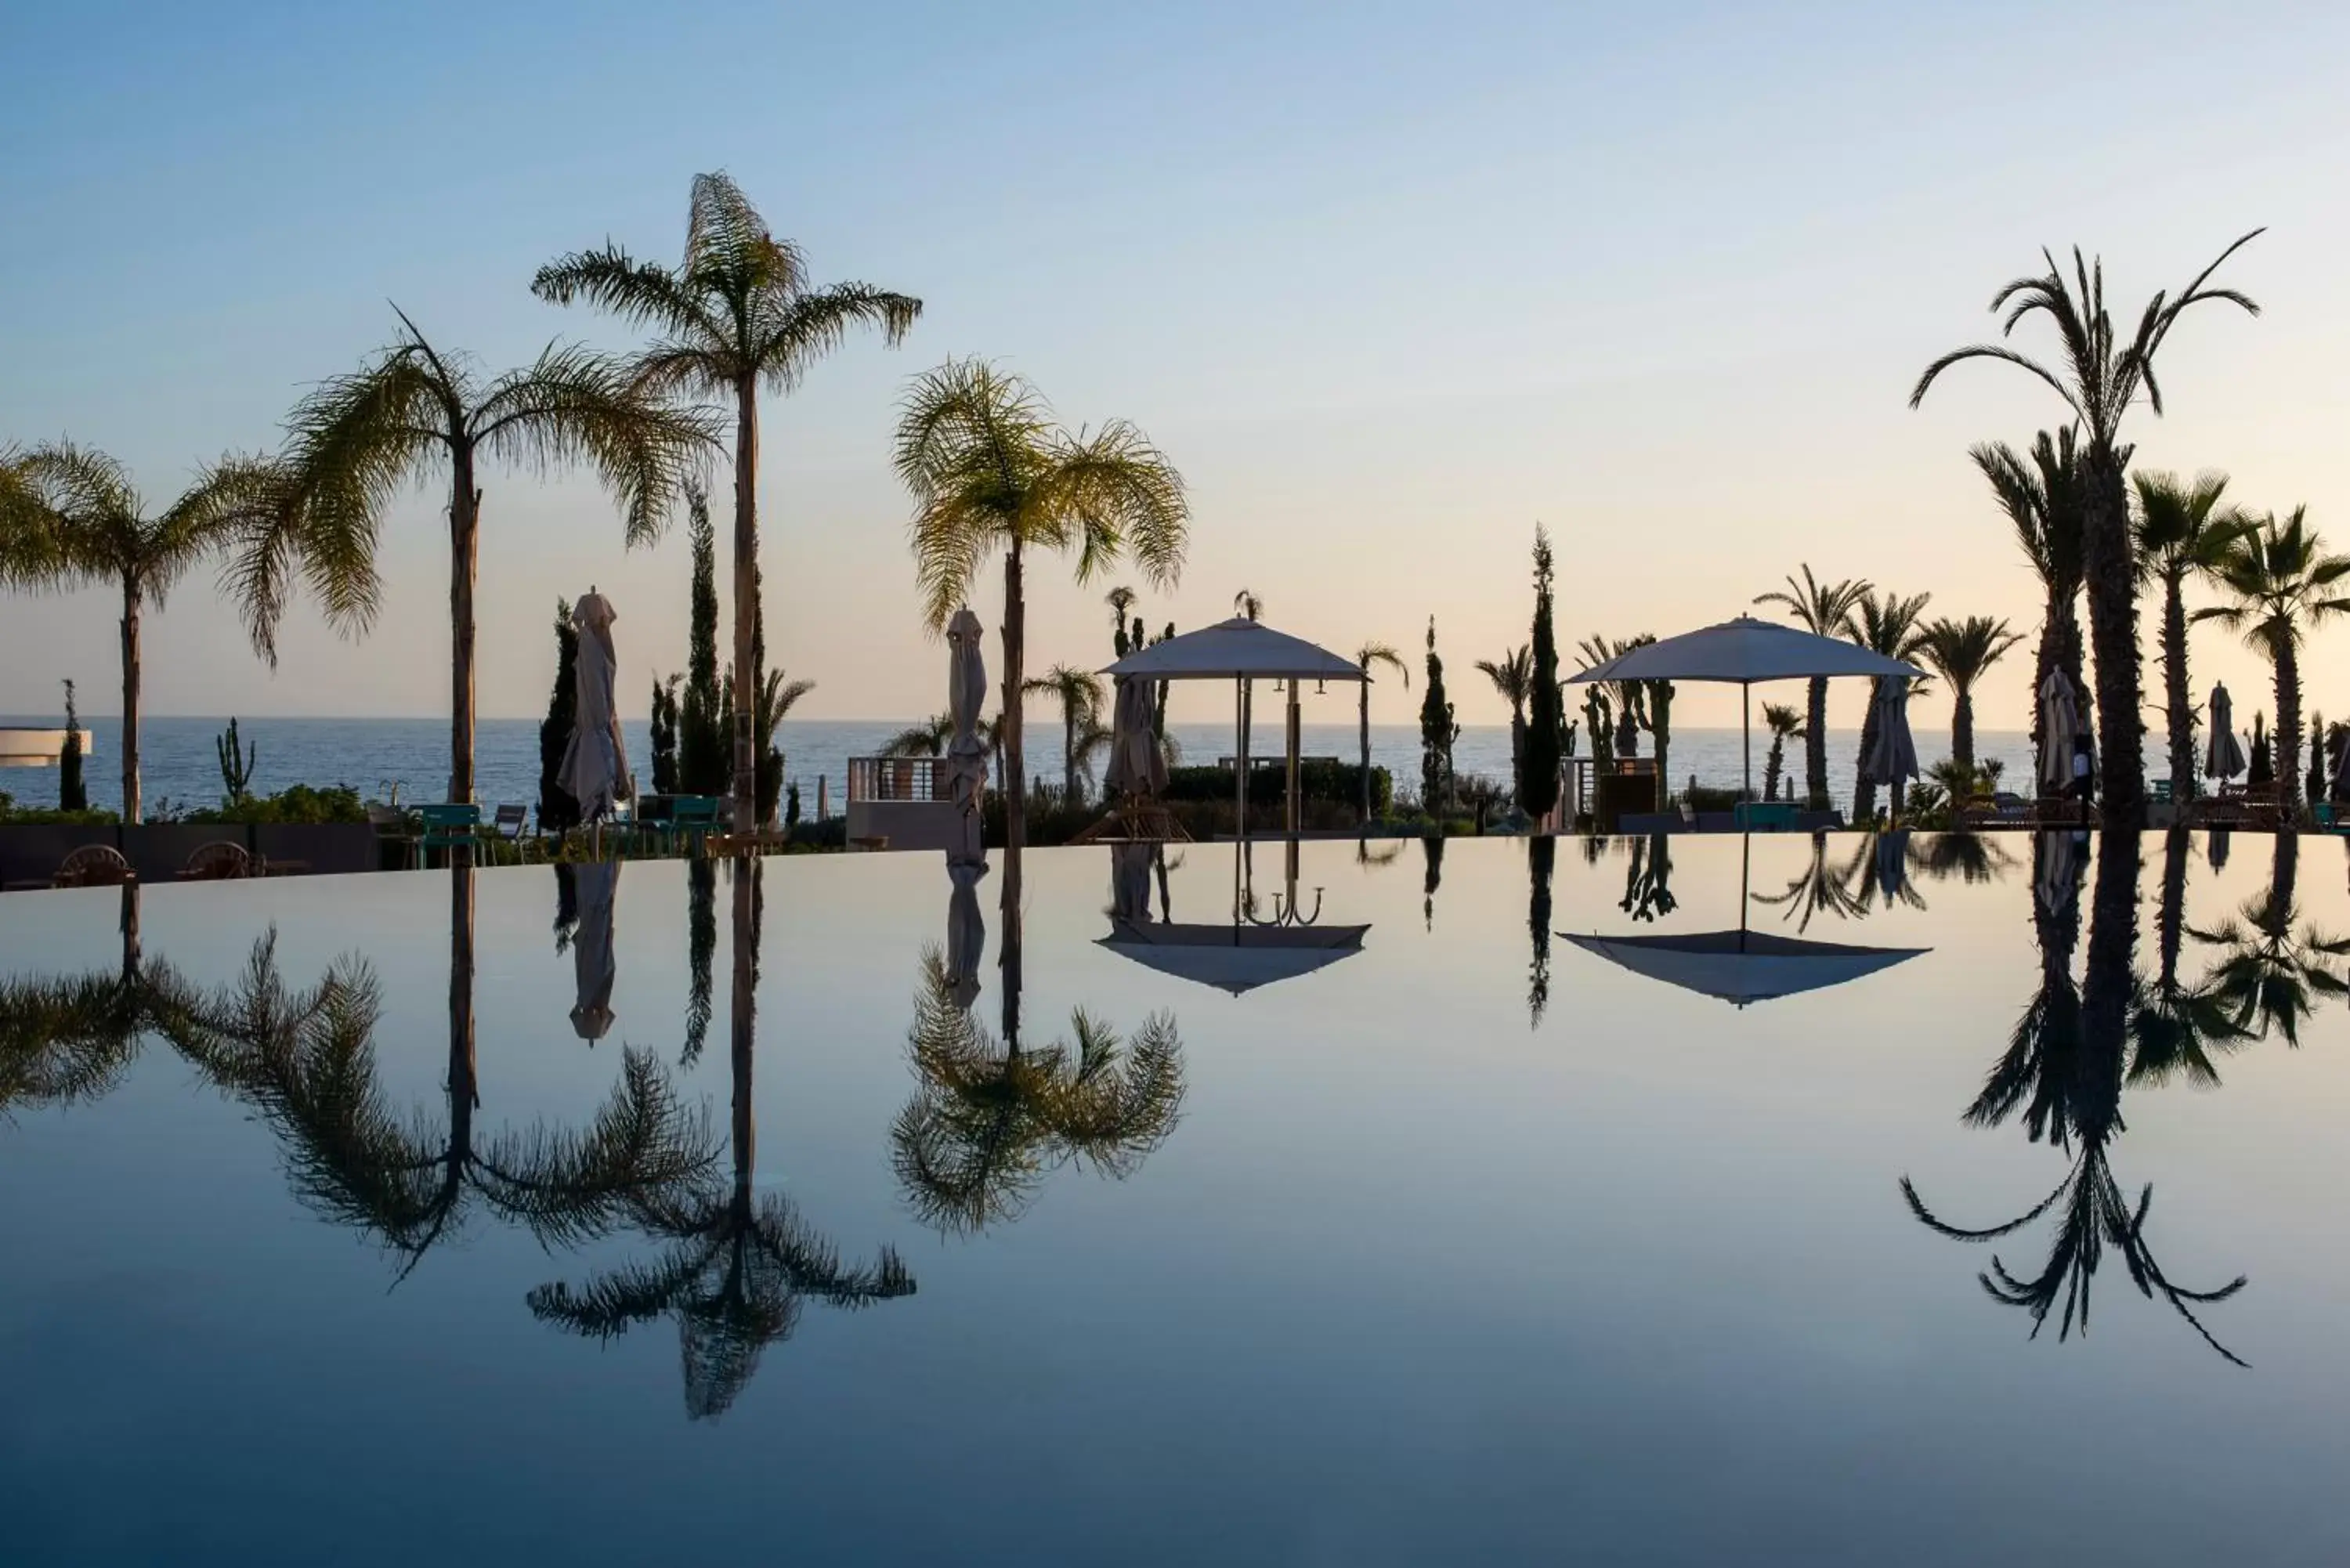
1388, 282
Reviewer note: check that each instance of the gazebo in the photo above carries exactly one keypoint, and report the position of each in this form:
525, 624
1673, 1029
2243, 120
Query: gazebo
1241, 651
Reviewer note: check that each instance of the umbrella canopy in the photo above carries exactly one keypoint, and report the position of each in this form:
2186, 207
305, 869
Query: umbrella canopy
2059, 871
1893, 759
2059, 729
966, 761
592, 961
1234, 959
594, 769
966, 930
1892, 863
1742, 967
1136, 766
1129, 881
2223, 758
1237, 650
1743, 651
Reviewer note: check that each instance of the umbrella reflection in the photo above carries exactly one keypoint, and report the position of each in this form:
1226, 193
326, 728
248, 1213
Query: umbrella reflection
2064, 1071
595, 968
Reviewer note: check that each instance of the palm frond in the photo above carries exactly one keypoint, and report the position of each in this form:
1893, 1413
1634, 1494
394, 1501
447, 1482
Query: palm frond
805, 326
573, 405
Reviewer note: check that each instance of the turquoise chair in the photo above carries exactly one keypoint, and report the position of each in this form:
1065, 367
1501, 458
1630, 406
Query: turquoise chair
448, 825
695, 817
1765, 815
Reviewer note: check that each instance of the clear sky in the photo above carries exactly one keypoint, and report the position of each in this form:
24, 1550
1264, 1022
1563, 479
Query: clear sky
1389, 283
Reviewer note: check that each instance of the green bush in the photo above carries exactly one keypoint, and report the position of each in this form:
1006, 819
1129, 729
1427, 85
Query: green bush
1318, 780
14, 815
296, 804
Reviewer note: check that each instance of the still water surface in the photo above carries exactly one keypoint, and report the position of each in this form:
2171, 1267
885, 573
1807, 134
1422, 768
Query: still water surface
338, 1239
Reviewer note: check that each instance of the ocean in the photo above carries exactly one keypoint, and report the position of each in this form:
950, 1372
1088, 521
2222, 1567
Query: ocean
179, 764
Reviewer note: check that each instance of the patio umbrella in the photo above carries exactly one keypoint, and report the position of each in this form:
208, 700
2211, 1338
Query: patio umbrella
1129, 881
1136, 766
1892, 863
2223, 757
2060, 727
594, 769
1893, 759
2059, 870
1741, 967
1236, 959
966, 930
592, 961
966, 753
1742, 652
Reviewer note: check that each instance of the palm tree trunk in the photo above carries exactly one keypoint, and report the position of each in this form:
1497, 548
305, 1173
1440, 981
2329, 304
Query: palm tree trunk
1962, 726
465, 1082
464, 549
2106, 984
2105, 550
131, 596
1068, 753
1815, 746
1016, 761
2289, 760
2284, 875
746, 602
1363, 725
2171, 921
2179, 701
1864, 788
1518, 752
744, 1013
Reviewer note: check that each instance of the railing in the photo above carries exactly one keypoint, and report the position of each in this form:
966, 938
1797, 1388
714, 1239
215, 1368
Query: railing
897, 779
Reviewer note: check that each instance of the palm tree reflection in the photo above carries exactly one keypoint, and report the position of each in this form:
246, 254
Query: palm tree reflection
738, 1265
2270, 974
990, 1121
1649, 879
1541, 856
2065, 1069
67, 1040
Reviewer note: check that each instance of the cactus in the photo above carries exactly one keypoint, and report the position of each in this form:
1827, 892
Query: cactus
235, 764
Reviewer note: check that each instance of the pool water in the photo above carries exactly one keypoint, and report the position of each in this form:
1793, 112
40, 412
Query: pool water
1858, 1200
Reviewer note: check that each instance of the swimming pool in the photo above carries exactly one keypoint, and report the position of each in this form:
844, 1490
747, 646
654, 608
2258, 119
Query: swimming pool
1623, 1200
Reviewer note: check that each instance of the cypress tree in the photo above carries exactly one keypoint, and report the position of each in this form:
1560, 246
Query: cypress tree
665, 717
702, 765
558, 812
73, 793
1547, 720
1438, 731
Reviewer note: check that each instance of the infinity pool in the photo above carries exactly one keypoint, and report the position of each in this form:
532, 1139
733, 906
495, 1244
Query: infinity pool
1850, 1201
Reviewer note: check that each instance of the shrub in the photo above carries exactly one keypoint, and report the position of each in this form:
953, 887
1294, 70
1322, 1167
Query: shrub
1319, 779
296, 804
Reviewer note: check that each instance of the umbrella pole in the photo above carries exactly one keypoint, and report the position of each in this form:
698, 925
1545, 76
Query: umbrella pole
1292, 816
1745, 864
1746, 735
1239, 769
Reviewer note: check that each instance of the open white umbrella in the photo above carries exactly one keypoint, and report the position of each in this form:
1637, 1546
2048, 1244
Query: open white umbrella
594, 769
2223, 755
1741, 967
2060, 728
966, 759
1893, 759
1234, 958
593, 963
1744, 652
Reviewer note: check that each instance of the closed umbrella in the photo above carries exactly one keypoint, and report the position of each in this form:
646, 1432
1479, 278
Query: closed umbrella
2060, 728
966, 758
592, 961
966, 931
2223, 757
594, 769
1893, 759
1129, 881
2060, 866
1137, 767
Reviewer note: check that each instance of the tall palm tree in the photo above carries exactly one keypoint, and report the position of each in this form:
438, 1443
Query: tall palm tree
990, 1120
989, 470
1960, 651
72, 517
412, 413
1120, 599
1824, 609
1369, 654
2043, 498
1785, 724
1079, 693
2183, 531
1889, 625
1513, 677
736, 314
2284, 584
2099, 377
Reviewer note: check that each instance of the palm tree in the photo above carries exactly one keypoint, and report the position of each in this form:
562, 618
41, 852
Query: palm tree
2042, 499
1120, 599
2099, 377
989, 1121
2284, 584
72, 517
412, 411
2181, 531
1369, 654
1785, 724
1960, 651
988, 470
1514, 678
1079, 693
1824, 609
1894, 627
736, 314
927, 739
1247, 606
